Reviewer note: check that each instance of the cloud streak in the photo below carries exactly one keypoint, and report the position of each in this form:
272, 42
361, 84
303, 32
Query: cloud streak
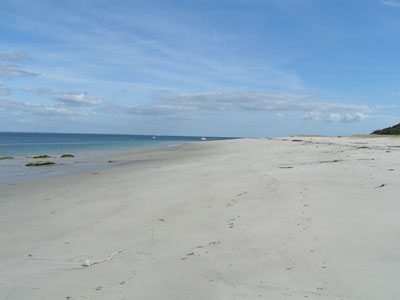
37, 109
39, 91
391, 3
14, 56
78, 99
249, 101
349, 117
66, 98
13, 70
192, 106
186, 106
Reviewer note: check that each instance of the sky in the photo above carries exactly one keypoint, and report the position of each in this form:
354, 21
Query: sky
235, 68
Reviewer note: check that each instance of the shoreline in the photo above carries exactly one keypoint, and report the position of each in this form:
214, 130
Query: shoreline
294, 217
29, 144
80, 163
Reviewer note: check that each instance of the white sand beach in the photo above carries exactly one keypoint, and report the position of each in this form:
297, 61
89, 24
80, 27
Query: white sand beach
289, 218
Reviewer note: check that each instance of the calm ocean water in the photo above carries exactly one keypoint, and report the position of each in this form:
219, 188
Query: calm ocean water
89, 150
22, 144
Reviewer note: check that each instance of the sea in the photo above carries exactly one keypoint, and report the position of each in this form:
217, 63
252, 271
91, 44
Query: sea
90, 151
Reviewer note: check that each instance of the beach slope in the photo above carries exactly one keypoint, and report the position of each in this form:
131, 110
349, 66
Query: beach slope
289, 218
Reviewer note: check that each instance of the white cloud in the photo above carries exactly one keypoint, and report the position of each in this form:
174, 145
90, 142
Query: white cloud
249, 101
12, 70
14, 56
34, 108
347, 117
40, 91
391, 3
41, 109
153, 111
239, 101
193, 105
66, 98
336, 117
312, 116
78, 100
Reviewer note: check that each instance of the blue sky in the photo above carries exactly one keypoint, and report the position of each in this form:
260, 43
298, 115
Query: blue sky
236, 68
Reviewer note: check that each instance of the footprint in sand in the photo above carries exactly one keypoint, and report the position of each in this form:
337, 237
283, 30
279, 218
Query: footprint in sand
192, 253
231, 223
232, 202
241, 194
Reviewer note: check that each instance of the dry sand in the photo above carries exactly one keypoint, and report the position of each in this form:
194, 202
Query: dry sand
291, 218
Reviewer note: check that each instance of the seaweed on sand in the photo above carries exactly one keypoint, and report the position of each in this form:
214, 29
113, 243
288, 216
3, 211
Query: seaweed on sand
41, 156
40, 163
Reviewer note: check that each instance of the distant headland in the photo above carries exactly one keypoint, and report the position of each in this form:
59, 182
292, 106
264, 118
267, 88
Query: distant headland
394, 130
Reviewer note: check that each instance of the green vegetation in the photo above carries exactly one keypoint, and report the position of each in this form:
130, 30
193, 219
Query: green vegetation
6, 157
40, 163
67, 155
41, 156
394, 130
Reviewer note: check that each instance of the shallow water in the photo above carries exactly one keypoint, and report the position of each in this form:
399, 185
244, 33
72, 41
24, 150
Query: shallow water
91, 151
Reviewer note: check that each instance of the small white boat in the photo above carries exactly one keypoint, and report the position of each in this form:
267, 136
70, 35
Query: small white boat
203, 138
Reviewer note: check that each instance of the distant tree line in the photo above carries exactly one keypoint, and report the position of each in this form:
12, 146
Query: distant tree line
390, 130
